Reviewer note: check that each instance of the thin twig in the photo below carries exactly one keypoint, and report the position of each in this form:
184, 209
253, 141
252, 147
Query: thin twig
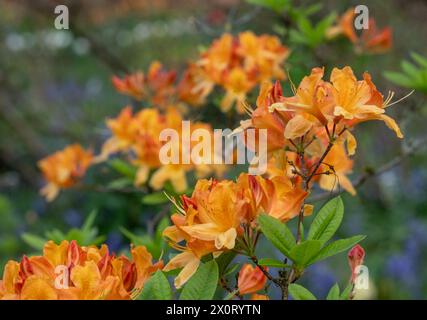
370, 173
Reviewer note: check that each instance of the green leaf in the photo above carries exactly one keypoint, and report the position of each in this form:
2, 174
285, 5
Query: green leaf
231, 269
224, 261
269, 262
337, 247
119, 183
33, 241
203, 283
87, 225
327, 221
156, 288
155, 198
345, 295
231, 294
275, 5
278, 233
123, 167
163, 224
334, 293
305, 251
409, 69
422, 61
298, 292
398, 78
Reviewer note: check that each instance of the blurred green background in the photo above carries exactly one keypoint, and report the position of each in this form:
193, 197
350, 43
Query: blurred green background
55, 89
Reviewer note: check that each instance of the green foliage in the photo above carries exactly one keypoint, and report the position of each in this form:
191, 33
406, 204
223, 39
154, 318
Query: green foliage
334, 293
269, 262
314, 249
275, 5
155, 198
278, 233
337, 247
224, 261
85, 236
310, 34
156, 288
345, 295
298, 292
123, 167
203, 283
327, 221
305, 252
154, 244
412, 76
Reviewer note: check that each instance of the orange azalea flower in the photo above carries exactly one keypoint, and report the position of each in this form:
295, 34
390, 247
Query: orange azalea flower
376, 41
338, 161
256, 296
344, 26
371, 40
212, 219
251, 279
237, 64
216, 216
236, 84
132, 85
157, 85
188, 89
344, 101
312, 103
70, 272
262, 118
137, 136
63, 169
208, 222
277, 196
358, 101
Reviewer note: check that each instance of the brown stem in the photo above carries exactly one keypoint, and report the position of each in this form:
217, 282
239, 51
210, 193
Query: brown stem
370, 172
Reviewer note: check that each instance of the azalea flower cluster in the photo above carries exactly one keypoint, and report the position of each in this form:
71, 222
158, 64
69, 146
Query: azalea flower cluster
235, 63
138, 136
68, 271
64, 168
220, 216
238, 64
314, 125
157, 86
135, 136
309, 140
371, 40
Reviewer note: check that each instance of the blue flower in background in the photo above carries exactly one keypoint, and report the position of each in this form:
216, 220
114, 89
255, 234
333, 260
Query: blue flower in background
73, 218
114, 241
405, 267
321, 279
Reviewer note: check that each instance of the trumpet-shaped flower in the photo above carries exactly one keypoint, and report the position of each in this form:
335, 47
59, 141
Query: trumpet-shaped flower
64, 168
70, 272
238, 64
157, 85
371, 40
251, 279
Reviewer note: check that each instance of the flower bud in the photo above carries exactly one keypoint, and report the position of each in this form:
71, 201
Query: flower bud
251, 279
355, 259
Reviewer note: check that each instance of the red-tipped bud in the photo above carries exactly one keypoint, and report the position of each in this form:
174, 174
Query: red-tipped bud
355, 258
251, 279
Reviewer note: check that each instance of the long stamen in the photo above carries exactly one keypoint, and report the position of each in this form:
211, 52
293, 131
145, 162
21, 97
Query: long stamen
399, 100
